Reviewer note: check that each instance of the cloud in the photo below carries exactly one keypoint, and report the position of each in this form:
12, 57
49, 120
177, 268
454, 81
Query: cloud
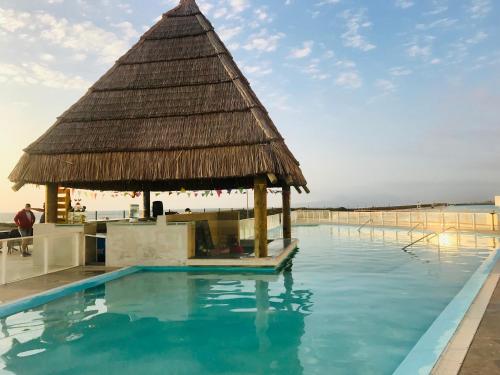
238, 6
327, 2
355, 23
438, 9
416, 50
313, 70
477, 38
480, 8
302, 52
400, 71
11, 21
263, 42
37, 74
404, 4
257, 70
441, 23
351, 80
228, 33
385, 86
80, 37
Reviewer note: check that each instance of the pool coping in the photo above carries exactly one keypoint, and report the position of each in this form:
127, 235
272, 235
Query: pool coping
38, 299
453, 357
426, 353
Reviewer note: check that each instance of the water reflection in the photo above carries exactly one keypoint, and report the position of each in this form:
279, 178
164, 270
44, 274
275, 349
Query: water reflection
186, 322
449, 239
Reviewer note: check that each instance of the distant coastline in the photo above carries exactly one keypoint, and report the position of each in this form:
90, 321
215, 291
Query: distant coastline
7, 218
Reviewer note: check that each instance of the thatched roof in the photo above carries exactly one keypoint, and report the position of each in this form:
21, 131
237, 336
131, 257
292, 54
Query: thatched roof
174, 112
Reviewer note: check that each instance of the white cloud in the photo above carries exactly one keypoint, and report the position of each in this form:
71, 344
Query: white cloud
47, 57
351, 80
438, 9
477, 38
386, 86
441, 23
228, 33
238, 6
11, 20
416, 50
82, 38
327, 2
355, 23
263, 42
480, 8
314, 71
398, 71
257, 70
302, 52
127, 30
36, 74
404, 4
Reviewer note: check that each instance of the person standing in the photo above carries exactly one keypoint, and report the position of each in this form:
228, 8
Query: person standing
42, 210
24, 221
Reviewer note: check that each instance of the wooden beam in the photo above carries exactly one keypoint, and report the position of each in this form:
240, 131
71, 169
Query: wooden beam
51, 203
287, 214
146, 200
306, 189
260, 216
272, 178
18, 186
298, 189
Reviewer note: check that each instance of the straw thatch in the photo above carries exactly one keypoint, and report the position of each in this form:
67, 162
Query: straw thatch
174, 112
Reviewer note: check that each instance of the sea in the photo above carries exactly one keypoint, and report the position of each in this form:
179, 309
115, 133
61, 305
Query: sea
8, 217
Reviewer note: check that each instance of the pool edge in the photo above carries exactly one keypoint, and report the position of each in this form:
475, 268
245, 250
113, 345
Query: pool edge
426, 353
38, 299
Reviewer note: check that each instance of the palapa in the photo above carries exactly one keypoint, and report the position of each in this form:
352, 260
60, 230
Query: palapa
174, 112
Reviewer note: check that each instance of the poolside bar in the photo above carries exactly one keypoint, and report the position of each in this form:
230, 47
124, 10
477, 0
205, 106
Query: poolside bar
175, 113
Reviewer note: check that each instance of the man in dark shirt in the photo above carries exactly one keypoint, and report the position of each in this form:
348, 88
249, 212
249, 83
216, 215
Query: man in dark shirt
24, 221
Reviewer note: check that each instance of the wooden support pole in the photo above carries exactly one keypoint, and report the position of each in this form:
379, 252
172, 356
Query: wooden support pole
146, 198
260, 213
51, 203
287, 213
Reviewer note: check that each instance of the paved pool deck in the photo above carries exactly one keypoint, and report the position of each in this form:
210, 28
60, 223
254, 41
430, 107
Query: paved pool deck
483, 356
35, 285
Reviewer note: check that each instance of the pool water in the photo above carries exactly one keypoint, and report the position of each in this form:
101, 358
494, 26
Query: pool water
350, 304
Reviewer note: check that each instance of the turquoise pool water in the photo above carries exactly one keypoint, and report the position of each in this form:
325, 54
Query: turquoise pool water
350, 304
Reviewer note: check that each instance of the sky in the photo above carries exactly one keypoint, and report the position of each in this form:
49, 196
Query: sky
382, 102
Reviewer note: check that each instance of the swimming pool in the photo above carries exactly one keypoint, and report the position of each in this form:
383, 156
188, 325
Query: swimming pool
351, 304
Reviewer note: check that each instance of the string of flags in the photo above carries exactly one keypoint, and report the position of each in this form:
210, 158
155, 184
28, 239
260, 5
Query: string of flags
137, 194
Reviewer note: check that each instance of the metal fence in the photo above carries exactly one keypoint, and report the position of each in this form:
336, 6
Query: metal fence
48, 254
407, 219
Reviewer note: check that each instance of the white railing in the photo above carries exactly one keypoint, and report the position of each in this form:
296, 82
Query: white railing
49, 253
479, 221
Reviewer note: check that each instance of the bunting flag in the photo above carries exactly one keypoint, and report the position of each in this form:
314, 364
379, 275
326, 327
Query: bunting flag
137, 194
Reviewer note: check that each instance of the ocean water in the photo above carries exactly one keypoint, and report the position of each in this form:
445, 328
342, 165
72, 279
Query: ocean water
349, 304
8, 217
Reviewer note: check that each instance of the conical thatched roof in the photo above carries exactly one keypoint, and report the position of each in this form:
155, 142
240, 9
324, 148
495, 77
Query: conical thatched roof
174, 112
